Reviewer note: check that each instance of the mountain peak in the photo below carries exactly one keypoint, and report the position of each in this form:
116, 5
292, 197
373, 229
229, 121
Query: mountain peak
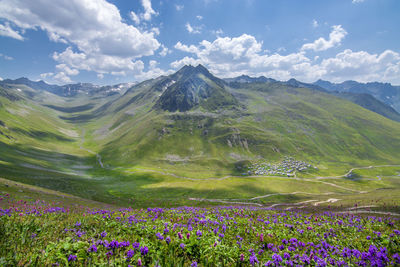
193, 87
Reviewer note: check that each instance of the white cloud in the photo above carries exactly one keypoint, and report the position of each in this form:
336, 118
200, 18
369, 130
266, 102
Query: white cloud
46, 75
102, 41
62, 77
229, 57
362, 66
146, 15
190, 49
1, 79
59, 78
100, 75
335, 37
186, 61
97, 62
164, 51
218, 32
6, 30
148, 10
179, 7
199, 17
357, 1
315, 23
155, 30
67, 70
153, 71
134, 17
192, 29
6, 57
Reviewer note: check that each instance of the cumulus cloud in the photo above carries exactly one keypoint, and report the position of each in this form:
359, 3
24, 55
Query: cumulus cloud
335, 37
363, 66
102, 41
315, 23
135, 18
199, 17
6, 30
97, 62
179, 7
164, 51
67, 70
192, 29
148, 10
357, 1
62, 76
146, 15
229, 57
153, 71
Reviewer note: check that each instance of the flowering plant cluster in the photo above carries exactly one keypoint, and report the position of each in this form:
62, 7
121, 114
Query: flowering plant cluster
41, 234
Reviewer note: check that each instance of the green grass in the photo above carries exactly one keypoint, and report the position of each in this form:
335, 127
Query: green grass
149, 154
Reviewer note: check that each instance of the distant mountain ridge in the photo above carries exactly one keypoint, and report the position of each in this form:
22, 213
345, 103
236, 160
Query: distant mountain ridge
385, 92
68, 90
372, 96
195, 87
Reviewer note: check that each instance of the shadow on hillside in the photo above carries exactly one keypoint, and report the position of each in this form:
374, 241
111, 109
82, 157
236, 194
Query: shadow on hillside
42, 135
71, 109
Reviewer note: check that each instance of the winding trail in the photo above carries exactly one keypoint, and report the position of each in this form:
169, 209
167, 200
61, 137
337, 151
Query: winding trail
98, 157
353, 169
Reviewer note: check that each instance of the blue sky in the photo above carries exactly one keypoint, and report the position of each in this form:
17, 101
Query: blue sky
107, 42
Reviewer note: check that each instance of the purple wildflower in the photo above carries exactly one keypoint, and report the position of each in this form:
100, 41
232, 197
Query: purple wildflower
199, 233
144, 250
93, 248
130, 253
253, 259
72, 258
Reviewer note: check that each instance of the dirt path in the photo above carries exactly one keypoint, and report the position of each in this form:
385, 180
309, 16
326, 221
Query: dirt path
352, 169
98, 157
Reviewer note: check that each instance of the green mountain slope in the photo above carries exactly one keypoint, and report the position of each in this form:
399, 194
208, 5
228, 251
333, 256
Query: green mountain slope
271, 120
385, 92
115, 148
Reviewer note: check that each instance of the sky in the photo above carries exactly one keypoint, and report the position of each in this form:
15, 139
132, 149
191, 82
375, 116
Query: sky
115, 41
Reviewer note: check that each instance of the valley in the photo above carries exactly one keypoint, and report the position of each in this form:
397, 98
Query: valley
163, 142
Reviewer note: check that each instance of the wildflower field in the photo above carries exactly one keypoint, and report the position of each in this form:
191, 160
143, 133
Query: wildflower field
42, 234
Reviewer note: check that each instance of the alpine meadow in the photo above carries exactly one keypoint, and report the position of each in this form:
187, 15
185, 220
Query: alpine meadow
200, 133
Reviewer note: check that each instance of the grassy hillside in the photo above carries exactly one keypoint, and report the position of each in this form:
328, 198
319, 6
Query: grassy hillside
273, 122
126, 150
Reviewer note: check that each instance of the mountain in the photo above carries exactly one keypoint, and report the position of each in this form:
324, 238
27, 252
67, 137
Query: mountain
248, 79
369, 102
68, 90
384, 92
357, 96
195, 87
40, 85
364, 100
152, 140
